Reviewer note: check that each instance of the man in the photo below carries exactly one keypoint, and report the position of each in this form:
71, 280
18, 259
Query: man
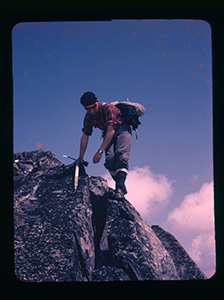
116, 139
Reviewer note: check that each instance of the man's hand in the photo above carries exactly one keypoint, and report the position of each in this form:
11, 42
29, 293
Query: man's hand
97, 157
106, 141
80, 161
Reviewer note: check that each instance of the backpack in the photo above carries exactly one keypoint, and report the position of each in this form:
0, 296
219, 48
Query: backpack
131, 112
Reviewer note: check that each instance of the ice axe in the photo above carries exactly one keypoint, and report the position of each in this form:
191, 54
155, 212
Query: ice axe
76, 171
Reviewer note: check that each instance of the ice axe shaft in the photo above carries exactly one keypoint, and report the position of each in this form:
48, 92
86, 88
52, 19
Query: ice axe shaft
76, 177
76, 170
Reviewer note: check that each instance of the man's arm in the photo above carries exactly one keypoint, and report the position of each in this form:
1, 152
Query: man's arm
106, 141
83, 145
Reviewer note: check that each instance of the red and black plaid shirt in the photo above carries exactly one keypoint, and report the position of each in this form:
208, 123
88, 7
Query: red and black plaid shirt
107, 114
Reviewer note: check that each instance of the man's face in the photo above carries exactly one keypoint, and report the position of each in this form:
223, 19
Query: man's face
92, 109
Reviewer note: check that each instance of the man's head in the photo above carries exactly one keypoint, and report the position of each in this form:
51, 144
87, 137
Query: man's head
90, 102
88, 99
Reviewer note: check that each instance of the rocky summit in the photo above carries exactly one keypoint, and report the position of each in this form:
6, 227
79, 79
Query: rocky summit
61, 235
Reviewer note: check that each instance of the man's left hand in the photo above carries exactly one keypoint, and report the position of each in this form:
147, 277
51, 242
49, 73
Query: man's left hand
97, 157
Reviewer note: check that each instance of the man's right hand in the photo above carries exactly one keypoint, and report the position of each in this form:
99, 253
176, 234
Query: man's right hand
80, 161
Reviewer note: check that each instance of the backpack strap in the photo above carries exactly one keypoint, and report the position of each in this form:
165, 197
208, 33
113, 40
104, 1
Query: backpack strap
136, 135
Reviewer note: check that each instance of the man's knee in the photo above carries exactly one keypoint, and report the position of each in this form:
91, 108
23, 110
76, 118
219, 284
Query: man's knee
122, 163
110, 164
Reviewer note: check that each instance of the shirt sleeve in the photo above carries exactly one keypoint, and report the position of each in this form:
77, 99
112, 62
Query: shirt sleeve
111, 114
87, 126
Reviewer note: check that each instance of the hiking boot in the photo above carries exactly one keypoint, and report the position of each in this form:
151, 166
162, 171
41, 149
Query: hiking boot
125, 190
120, 180
110, 193
118, 195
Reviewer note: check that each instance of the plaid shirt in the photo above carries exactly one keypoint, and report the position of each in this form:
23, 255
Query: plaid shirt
107, 114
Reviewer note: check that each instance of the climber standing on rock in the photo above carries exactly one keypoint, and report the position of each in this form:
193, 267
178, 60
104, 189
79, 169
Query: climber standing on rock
117, 137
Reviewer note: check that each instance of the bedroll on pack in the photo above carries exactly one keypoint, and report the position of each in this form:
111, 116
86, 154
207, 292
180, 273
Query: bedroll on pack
131, 112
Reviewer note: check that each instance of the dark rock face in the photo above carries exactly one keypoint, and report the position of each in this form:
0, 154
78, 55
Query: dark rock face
185, 266
60, 235
33, 161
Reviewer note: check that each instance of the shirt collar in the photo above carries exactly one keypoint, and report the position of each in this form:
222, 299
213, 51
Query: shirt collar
96, 115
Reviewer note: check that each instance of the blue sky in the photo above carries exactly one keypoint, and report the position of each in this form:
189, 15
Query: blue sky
166, 65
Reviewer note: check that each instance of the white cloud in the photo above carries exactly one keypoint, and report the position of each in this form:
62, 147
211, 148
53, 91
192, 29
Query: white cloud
193, 220
203, 252
196, 213
148, 192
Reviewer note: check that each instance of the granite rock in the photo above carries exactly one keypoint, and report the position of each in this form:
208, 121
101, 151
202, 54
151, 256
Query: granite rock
60, 235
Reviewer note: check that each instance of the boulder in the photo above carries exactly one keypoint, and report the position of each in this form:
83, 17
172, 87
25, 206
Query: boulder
62, 235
